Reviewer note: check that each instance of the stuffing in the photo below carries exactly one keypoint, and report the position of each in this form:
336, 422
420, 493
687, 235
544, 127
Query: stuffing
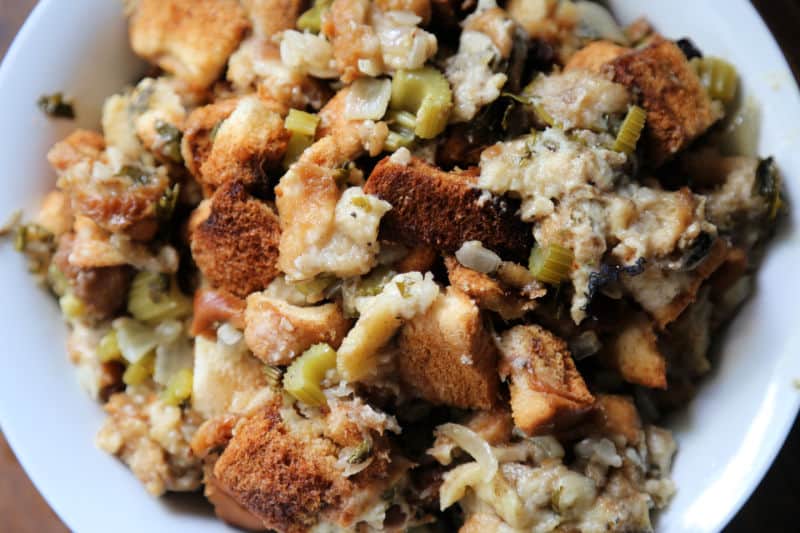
102, 289
55, 213
277, 331
551, 21
487, 292
236, 246
443, 210
200, 129
78, 147
495, 427
594, 56
419, 259
579, 99
176, 34
152, 438
635, 354
665, 294
447, 355
421, 8
248, 144
288, 475
213, 307
470, 75
270, 17
616, 416
678, 108
227, 379
547, 392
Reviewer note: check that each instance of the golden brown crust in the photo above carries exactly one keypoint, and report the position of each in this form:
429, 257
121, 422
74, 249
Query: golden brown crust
80, 145
212, 307
226, 508
272, 16
277, 332
617, 415
488, 292
443, 210
495, 426
447, 355
197, 141
248, 144
285, 480
419, 259
236, 247
594, 56
678, 108
547, 392
213, 435
175, 34
634, 353
353, 39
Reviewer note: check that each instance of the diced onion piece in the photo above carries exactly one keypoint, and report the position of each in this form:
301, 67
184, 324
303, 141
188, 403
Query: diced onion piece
138, 372
368, 99
457, 481
718, 77
551, 264
596, 22
473, 444
179, 388
108, 348
426, 93
630, 130
304, 375
155, 297
473, 255
135, 339
301, 122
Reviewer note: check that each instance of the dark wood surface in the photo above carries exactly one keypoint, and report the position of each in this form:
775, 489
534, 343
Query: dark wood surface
773, 508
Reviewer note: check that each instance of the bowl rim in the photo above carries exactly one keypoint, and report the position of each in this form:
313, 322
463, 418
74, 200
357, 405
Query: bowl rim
39, 479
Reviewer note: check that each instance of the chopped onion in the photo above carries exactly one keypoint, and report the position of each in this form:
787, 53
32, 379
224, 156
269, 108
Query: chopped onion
596, 22
457, 481
368, 99
228, 334
171, 358
473, 255
135, 339
473, 444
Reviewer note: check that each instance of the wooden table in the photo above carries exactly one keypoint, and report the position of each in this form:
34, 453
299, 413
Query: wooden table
772, 508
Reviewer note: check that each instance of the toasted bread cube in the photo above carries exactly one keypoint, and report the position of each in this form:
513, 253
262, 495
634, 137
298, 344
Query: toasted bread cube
226, 508
78, 146
678, 108
236, 246
277, 332
197, 139
227, 379
55, 214
447, 355
444, 209
248, 143
617, 415
635, 355
488, 292
594, 56
287, 474
273, 16
665, 294
191, 39
547, 392
495, 426
419, 259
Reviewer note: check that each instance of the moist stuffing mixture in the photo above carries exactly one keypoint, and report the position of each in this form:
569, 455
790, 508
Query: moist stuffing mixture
395, 265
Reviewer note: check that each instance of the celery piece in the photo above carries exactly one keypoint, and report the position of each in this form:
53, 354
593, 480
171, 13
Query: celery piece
138, 372
718, 77
426, 93
155, 297
551, 264
179, 388
301, 122
630, 130
297, 145
304, 376
108, 348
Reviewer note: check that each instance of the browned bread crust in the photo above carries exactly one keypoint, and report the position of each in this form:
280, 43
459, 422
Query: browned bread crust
678, 108
444, 209
447, 356
547, 391
236, 247
634, 353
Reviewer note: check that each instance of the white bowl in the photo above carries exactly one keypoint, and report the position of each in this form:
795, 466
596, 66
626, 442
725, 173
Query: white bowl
728, 436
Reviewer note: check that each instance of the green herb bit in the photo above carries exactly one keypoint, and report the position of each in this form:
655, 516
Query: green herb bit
170, 138
398, 139
30, 233
57, 280
362, 453
718, 77
135, 173
56, 106
551, 264
297, 145
71, 306
769, 184
316, 285
166, 204
404, 288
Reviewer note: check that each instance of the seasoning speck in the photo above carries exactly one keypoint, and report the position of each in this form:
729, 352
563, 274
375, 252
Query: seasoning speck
56, 106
